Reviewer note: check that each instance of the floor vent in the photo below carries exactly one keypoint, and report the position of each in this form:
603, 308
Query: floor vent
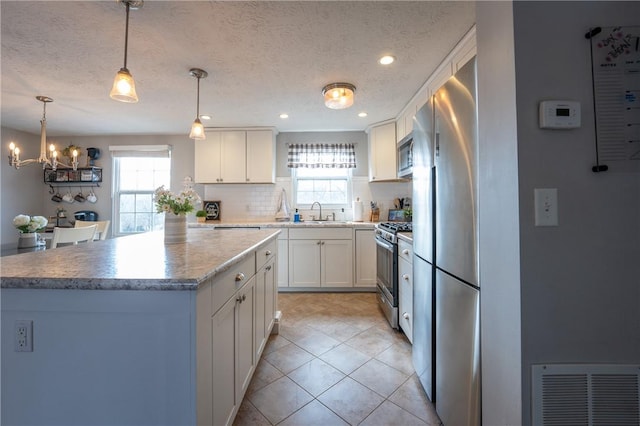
585, 394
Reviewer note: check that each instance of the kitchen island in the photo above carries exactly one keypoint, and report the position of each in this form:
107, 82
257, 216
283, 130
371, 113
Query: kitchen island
133, 331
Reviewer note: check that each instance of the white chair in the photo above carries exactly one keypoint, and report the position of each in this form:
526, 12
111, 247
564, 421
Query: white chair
72, 235
102, 227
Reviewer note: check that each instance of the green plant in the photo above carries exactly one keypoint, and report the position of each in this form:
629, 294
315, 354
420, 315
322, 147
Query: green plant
201, 213
408, 213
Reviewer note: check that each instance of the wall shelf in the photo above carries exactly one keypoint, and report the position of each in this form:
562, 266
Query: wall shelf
89, 175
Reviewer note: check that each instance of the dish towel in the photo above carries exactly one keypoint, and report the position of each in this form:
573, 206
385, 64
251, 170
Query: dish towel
282, 215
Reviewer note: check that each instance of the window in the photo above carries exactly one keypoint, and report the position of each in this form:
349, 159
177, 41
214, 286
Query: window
321, 172
137, 172
329, 187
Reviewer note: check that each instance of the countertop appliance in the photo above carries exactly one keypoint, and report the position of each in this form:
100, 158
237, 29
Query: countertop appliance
387, 267
446, 333
405, 157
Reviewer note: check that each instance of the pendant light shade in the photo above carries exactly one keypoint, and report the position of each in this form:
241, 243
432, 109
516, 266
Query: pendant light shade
338, 95
124, 88
197, 129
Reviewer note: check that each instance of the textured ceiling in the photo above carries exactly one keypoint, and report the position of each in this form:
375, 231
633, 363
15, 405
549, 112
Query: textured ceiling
263, 59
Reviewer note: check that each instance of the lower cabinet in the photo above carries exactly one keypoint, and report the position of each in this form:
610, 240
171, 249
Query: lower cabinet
320, 257
232, 354
365, 258
235, 313
405, 288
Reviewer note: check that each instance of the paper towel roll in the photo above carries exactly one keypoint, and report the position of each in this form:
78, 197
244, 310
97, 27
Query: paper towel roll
357, 211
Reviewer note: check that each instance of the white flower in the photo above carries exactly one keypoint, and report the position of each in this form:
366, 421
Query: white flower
21, 220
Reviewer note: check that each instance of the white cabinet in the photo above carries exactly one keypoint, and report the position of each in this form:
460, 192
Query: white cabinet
265, 295
235, 315
261, 148
235, 156
405, 288
283, 258
382, 153
320, 257
365, 258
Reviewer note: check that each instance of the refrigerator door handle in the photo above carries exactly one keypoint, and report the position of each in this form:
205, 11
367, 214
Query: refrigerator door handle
437, 144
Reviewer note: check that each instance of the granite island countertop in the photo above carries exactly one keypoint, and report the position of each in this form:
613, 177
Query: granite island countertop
136, 262
282, 225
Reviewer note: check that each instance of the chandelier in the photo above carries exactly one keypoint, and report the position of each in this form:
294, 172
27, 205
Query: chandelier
124, 87
51, 159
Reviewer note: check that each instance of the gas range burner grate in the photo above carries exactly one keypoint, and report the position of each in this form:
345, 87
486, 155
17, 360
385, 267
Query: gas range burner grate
395, 227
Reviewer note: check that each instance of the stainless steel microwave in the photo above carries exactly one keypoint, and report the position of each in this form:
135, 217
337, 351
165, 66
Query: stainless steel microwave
405, 157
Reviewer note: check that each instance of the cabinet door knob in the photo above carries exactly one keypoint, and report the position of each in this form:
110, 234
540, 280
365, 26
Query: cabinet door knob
267, 253
405, 316
244, 297
322, 243
405, 277
240, 277
318, 243
239, 299
268, 268
405, 251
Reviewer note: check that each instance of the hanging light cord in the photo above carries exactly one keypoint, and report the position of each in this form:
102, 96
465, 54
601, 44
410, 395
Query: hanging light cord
198, 100
126, 34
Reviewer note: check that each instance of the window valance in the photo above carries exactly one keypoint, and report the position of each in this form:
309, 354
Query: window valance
318, 155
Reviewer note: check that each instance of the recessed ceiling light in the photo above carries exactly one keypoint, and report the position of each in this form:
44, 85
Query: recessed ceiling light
284, 115
386, 60
205, 117
362, 114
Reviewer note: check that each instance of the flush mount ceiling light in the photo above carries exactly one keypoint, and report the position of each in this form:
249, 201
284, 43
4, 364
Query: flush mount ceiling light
386, 60
52, 159
124, 88
338, 95
197, 129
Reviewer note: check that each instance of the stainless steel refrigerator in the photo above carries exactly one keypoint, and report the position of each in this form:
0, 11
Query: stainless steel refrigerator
446, 346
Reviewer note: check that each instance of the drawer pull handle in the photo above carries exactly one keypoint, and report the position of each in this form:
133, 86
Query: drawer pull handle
267, 253
405, 251
240, 277
405, 277
405, 316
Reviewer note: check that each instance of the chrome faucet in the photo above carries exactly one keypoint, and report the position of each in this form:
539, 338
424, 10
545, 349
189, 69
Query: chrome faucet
319, 205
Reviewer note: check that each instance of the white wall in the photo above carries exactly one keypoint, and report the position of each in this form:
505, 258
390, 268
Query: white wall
580, 280
498, 216
20, 189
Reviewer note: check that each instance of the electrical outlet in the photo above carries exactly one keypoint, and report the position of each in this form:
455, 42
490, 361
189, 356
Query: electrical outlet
24, 336
546, 206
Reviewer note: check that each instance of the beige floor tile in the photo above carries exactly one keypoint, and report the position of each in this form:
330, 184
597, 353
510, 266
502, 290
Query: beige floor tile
412, 398
379, 377
275, 342
316, 376
389, 414
317, 343
314, 414
248, 415
288, 358
265, 374
345, 358
371, 341
280, 399
398, 356
350, 400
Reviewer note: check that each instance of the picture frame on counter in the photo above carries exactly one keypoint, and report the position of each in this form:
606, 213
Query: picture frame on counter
213, 209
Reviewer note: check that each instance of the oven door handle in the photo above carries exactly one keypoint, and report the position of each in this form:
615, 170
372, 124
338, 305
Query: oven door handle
384, 245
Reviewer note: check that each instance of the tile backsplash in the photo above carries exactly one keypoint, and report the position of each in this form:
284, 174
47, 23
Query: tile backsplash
260, 202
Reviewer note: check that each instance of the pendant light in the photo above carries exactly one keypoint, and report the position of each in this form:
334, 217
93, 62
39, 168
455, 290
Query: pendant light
338, 95
197, 129
124, 88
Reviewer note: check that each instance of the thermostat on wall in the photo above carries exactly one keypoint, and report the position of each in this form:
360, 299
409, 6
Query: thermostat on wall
559, 114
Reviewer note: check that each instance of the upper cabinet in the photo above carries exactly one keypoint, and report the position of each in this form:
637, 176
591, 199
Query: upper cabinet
460, 55
235, 156
382, 153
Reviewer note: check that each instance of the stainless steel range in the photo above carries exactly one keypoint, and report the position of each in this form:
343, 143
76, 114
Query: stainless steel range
387, 267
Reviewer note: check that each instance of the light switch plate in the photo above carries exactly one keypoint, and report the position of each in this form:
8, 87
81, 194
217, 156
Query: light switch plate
546, 206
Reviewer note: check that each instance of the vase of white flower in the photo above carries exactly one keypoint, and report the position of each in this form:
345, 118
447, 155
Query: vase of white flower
28, 227
175, 209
